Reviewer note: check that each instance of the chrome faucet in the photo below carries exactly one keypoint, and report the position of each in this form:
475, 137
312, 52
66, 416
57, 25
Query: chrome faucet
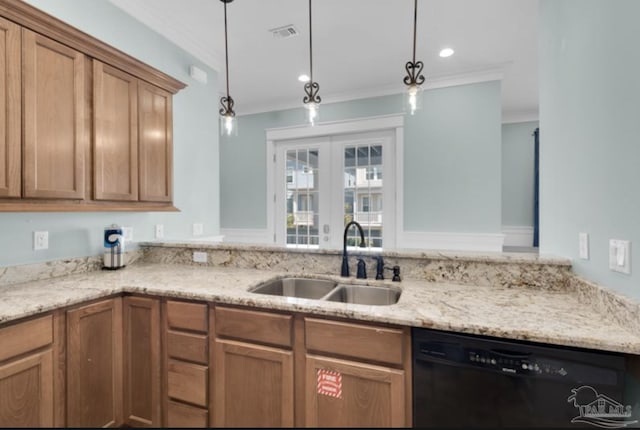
345, 259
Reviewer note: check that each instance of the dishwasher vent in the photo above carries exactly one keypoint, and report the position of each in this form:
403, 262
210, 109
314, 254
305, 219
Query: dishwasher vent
284, 32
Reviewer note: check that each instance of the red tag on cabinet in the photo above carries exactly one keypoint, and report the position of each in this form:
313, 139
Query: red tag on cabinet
329, 383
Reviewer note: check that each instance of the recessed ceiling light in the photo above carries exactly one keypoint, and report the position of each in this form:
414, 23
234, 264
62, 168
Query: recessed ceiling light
446, 52
303, 78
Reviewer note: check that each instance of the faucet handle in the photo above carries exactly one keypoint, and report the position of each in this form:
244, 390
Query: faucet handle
379, 267
396, 273
362, 269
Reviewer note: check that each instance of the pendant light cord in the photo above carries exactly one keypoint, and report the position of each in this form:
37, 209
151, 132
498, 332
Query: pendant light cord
415, 23
310, 47
226, 46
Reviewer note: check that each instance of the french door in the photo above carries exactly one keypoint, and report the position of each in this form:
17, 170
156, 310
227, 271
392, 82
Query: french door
323, 183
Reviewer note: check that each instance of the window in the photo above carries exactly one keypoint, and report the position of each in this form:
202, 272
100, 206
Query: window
323, 183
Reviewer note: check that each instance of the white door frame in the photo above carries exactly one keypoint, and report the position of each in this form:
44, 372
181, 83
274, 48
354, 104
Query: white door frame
358, 125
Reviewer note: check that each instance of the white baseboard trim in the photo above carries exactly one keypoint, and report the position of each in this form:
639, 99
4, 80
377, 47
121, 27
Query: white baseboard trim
451, 241
246, 235
517, 235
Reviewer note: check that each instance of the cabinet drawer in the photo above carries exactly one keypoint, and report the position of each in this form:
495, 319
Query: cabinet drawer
187, 346
27, 336
354, 340
270, 328
187, 382
187, 316
181, 416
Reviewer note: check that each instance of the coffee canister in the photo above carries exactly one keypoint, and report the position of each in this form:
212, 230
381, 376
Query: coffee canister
113, 247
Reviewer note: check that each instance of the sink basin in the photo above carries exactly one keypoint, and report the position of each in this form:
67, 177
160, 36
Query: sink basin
364, 295
296, 287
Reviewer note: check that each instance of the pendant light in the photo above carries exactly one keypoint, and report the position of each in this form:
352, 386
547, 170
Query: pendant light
414, 78
311, 99
228, 122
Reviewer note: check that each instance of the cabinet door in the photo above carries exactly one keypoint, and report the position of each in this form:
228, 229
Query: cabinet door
10, 109
253, 385
370, 396
156, 143
115, 119
54, 123
94, 363
141, 362
26, 392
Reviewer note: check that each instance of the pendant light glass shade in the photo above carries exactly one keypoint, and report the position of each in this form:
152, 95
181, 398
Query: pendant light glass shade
228, 122
412, 99
311, 99
228, 125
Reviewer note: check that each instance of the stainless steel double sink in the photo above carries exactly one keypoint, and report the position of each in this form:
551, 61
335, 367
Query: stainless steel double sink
330, 291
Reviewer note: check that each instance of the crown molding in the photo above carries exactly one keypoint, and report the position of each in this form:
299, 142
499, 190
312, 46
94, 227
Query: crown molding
511, 117
435, 82
172, 32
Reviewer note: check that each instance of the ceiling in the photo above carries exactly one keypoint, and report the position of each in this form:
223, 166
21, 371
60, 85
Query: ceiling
360, 46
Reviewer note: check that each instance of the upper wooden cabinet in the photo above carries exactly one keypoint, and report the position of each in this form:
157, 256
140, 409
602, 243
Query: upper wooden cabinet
115, 133
83, 126
54, 123
156, 143
10, 109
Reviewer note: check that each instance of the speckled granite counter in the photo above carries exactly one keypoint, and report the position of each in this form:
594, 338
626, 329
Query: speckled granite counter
549, 315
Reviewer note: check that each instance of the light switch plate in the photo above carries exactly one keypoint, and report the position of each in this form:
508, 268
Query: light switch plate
199, 257
127, 232
620, 256
159, 231
40, 240
198, 229
584, 245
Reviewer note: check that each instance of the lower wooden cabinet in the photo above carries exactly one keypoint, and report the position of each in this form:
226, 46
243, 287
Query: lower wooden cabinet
359, 395
27, 376
186, 394
26, 391
147, 362
94, 363
141, 323
253, 385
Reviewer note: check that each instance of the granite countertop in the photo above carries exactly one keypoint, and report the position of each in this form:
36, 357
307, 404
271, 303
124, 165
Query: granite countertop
541, 315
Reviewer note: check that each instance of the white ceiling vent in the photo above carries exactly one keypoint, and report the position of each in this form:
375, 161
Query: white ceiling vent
284, 32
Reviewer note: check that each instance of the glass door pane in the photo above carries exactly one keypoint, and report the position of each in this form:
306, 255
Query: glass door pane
302, 197
363, 190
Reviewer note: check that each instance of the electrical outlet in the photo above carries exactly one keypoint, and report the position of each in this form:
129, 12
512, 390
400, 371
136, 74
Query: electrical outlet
620, 256
127, 232
40, 240
159, 231
199, 257
198, 229
584, 245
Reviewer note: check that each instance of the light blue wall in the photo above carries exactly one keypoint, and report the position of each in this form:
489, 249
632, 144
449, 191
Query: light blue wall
590, 140
196, 169
452, 159
518, 158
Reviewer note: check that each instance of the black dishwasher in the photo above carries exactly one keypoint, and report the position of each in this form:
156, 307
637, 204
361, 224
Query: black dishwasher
473, 381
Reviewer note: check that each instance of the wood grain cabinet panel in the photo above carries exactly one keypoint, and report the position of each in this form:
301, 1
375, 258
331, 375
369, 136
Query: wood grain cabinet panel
141, 323
26, 391
184, 416
115, 138
94, 363
371, 396
54, 119
253, 385
155, 109
10, 109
